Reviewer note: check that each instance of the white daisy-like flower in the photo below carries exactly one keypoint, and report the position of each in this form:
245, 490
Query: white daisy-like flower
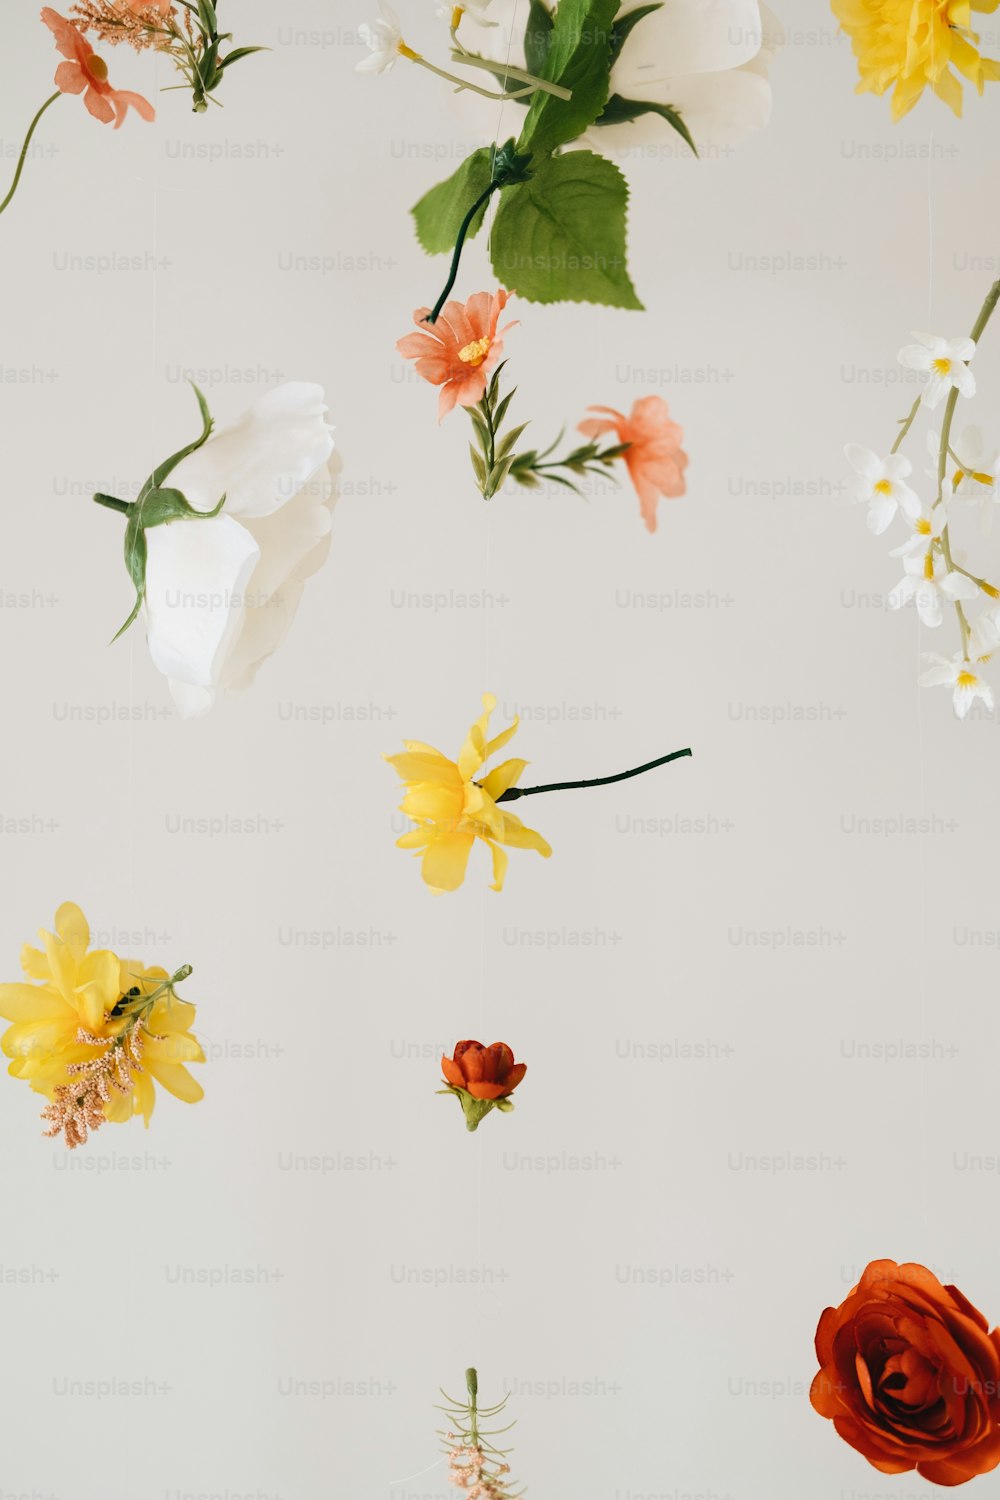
985, 638
927, 526
474, 9
964, 677
882, 486
930, 585
981, 482
383, 38
945, 362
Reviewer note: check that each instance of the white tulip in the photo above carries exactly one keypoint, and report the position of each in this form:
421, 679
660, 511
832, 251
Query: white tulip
221, 593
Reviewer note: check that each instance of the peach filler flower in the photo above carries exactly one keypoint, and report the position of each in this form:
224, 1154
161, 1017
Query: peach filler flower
451, 809
461, 350
475, 1465
910, 1375
86, 73
93, 1032
481, 1078
651, 447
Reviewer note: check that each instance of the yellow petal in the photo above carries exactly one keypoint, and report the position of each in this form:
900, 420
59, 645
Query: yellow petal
171, 1015
144, 1098
503, 738
32, 1002
436, 804
178, 1047
517, 836
445, 861
34, 964
415, 839
502, 777
98, 987
177, 1081
71, 925
62, 966
418, 767
500, 862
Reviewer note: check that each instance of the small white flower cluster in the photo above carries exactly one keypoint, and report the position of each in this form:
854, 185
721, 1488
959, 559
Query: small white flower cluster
932, 579
384, 37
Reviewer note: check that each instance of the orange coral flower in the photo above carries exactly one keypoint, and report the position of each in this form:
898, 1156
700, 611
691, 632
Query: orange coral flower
910, 1375
482, 1079
86, 73
461, 350
655, 459
483, 1072
162, 7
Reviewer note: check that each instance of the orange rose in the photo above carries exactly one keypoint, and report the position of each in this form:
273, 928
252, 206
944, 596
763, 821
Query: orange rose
911, 1375
482, 1078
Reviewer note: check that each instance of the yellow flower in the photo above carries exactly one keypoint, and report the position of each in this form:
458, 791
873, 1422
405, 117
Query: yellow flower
907, 45
90, 1016
451, 810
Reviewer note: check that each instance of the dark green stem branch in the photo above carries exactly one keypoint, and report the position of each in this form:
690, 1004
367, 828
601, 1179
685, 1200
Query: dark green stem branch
514, 792
463, 231
111, 502
24, 149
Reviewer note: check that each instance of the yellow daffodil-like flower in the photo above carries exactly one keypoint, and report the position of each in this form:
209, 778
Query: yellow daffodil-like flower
908, 45
451, 810
93, 1031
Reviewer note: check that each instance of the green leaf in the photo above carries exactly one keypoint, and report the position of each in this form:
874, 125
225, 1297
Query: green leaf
538, 37
508, 442
619, 111
501, 410
623, 27
161, 506
161, 471
439, 214
561, 236
135, 561
237, 53
579, 59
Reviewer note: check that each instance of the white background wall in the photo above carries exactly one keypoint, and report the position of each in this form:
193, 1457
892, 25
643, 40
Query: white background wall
694, 1380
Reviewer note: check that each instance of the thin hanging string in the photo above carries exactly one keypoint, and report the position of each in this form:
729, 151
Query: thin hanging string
487, 556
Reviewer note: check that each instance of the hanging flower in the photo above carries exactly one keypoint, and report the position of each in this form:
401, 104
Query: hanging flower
945, 362
882, 485
460, 350
219, 558
86, 73
452, 811
910, 1375
93, 1032
476, 10
384, 40
964, 677
482, 1078
930, 584
653, 454
910, 45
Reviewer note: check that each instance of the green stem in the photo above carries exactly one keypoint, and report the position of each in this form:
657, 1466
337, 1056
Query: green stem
905, 426
473, 60
465, 226
472, 1386
463, 83
514, 792
985, 313
24, 149
111, 502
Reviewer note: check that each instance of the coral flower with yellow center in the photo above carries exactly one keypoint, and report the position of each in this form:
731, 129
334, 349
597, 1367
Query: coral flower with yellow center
452, 810
910, 45
92, 1031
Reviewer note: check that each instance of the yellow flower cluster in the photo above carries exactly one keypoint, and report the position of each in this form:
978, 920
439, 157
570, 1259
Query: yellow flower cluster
910, 45
92, 1031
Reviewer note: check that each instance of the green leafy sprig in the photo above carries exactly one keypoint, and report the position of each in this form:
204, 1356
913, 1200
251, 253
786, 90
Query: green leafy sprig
199, 54
465, 1431
156, 505
495, 459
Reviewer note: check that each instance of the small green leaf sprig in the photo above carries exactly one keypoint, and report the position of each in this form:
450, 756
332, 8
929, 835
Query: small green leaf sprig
156, 505
495, 459
475, 1464
560, 232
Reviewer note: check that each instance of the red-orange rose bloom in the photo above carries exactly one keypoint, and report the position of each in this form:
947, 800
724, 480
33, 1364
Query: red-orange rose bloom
483, 1072
911, 1375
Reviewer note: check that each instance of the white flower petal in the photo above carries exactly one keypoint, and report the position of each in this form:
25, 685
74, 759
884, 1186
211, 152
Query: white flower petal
262, 461
880, 514
194, 577
688, 36
863, 461
914, 357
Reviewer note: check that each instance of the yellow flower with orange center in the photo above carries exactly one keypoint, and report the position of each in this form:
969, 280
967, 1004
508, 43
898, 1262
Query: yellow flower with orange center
452, 810
910, 45
93, 1032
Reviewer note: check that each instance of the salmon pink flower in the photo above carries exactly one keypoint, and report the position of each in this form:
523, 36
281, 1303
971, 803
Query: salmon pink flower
482, 1078
460, 350
86, 73
654, 456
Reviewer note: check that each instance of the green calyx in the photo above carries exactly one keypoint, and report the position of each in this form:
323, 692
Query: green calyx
560, 230
476, 1110
157, 505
